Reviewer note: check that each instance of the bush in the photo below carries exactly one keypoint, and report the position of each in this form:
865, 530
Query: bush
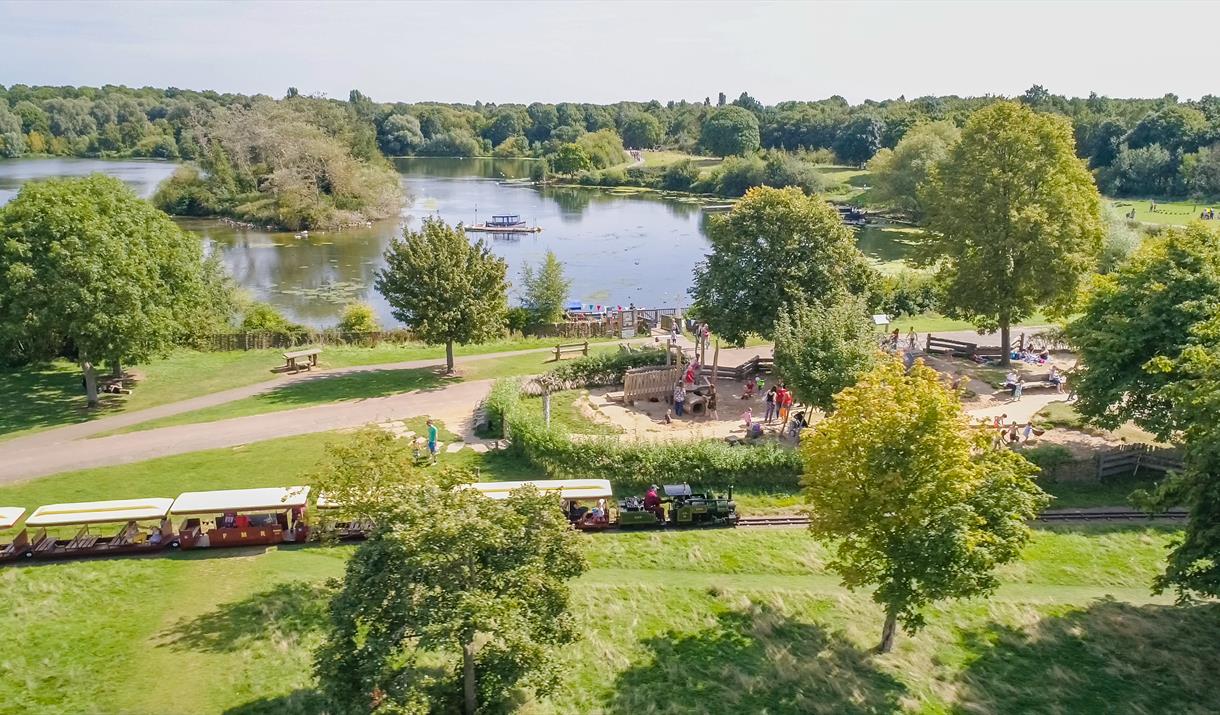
604, 368
1049, 456
264, 318
907, 293
518, 319
359, 318
706, 463
680, 175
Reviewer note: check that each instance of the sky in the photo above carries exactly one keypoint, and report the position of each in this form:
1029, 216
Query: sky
609, 51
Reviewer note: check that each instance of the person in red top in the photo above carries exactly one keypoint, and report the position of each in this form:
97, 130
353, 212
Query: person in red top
652, 503
784, 399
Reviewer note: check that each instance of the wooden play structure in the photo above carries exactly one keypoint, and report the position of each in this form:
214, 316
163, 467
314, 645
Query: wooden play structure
647, 383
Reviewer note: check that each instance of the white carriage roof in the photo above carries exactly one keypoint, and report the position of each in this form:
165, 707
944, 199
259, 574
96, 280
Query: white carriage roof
271, 498
325, 502
99, 512
10, 515
566, 488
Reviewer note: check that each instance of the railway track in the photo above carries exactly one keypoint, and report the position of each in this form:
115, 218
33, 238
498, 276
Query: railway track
1053, 516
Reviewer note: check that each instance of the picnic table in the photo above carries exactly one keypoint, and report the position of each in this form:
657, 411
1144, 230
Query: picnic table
308, 358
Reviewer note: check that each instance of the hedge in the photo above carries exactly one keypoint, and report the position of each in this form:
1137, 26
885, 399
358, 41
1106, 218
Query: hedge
702, 463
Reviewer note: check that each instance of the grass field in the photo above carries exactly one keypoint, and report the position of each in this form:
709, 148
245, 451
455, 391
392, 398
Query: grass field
658, 159
1168, 213
324, 389
566, 414
700, 622
50, 394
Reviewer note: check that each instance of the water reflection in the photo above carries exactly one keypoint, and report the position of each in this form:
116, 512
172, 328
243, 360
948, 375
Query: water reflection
616, 247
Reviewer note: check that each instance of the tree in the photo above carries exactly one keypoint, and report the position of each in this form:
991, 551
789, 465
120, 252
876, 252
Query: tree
859, 140
359, 318
400, 134
642, 131
822, 349
545, 289
910, 498
897, 173
12, 140
570, 159
450, 581
728, 131
1014, 218
1193, 566
88, 265
443, 287
777, 247
1136, 323
1175, 128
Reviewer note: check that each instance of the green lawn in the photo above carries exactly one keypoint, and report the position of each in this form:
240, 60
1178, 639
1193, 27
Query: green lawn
1168, 213
701, 622
566, 414
665, 158
322, 389
1064, 415
50, 394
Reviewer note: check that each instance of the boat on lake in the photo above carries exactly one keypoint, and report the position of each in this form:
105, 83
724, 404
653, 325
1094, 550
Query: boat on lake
504, 223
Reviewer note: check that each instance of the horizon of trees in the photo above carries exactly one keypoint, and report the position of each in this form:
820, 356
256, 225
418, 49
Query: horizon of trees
1136, 146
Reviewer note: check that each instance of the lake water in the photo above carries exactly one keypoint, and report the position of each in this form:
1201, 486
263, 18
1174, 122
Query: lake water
616, 248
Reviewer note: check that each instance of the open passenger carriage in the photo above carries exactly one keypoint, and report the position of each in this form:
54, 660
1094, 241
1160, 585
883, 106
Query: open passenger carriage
585, 501
241, 517
331, 523
19, 546
122, 526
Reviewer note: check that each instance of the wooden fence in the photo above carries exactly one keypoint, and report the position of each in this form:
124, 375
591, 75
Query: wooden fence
753, 366
1130, 459
645, 383
959, 348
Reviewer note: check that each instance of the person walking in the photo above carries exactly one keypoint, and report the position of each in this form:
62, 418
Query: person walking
769, 401
785, 403
679, 399
432, 446
1017, 389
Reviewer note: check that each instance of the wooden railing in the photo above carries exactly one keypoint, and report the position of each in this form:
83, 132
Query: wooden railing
960, 348
1129, 459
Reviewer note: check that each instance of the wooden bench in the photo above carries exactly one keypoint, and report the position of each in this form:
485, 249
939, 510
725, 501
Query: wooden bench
308, 358
571, 349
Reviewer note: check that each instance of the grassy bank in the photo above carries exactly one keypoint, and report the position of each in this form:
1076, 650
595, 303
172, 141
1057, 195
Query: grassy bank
48, 395
701, 622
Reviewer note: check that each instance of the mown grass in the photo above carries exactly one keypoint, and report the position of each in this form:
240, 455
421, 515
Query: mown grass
566, 414
1065, 416
50, 394
693, 622
1168, 213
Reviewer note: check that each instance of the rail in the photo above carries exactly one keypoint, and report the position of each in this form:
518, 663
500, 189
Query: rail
1047, 516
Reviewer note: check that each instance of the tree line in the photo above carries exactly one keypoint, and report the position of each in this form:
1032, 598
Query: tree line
1135, 147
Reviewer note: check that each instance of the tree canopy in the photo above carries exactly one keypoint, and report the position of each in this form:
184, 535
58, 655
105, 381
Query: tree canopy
443, 287
359, 318
730, 130
823, 348
1137, 321
642, 131
455, 599
90, 268
545, 289
910, 498
1014, 218
777, 247
896, 174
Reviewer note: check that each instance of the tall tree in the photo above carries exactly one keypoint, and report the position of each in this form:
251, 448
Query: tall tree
1014, 218
642, 131
451, 581
443, 287
88, 266
897, 173
728, 131
911, 500
1135, 324
859, 139
822, 349
545, 289
777, 247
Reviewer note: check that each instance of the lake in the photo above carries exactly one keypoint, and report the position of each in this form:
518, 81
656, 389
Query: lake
616, 247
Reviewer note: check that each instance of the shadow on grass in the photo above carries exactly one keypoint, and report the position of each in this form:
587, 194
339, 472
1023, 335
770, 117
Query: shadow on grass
357, 385
286, 616
298, 702
45, 395
755, 661
1109, 657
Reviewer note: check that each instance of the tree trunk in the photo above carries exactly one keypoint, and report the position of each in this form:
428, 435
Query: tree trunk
887, 633
90, 382
472, 702
546, 407
116, 369
1005, 338
449, 356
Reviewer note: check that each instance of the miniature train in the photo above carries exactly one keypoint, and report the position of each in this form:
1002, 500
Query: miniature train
253, 517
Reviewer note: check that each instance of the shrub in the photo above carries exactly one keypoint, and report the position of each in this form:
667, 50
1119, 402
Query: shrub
680, 175
1048, 456
707, 463
907, 293
604, 368
359, 318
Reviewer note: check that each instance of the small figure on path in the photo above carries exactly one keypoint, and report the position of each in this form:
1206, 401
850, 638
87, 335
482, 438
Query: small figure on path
1029, 431
679, 399
1017, 389
432, 434
747, 418
911, 338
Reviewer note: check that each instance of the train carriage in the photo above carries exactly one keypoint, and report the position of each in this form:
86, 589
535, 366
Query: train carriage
585, 501
241, 517
338, 527
80, 529
19, 545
